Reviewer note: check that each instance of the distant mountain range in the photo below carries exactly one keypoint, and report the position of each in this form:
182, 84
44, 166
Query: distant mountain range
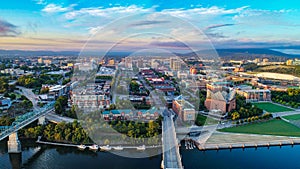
245, 53
37, 53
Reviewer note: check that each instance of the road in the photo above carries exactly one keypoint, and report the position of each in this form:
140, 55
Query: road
54, 118
171, 154
30, 95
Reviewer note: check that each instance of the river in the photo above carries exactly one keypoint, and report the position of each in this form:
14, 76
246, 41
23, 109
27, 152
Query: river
53, 157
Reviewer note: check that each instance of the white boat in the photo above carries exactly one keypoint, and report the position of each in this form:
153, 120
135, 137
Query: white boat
118, 148
81, 147
105, 148
94, 147
141, 147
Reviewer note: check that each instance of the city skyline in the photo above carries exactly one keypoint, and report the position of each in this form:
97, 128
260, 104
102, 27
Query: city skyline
67, 25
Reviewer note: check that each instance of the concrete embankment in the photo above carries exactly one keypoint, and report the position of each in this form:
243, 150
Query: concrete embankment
247, 145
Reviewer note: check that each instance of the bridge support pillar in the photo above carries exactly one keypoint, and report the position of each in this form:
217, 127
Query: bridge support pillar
42, 120
13, 144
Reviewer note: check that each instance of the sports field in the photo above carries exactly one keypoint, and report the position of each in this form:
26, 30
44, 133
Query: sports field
271, 108
272, 127
292, 117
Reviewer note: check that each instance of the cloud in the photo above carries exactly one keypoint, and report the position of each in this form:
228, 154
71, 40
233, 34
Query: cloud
8, 29
170, 44
146, 23
93, 30
54, 8
259, 17
218, 26
214, 10
216, 35
112, 12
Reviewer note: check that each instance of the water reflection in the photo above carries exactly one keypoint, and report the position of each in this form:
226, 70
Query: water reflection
15, 160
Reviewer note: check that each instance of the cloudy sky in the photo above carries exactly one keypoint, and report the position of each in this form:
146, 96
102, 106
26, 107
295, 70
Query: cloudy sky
135, 24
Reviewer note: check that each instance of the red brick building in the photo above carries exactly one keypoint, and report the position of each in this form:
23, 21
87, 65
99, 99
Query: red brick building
220, 98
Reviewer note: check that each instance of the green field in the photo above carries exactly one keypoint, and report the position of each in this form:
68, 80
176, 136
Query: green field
271, 108
292, 117
272, 127
201, 120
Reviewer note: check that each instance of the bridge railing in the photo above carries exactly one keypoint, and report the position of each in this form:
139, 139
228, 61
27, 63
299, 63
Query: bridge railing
22, 120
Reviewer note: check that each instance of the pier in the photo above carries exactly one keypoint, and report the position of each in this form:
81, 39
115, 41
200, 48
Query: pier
243, 145
77, 145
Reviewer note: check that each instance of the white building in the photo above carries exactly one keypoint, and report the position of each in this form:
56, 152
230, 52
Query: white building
13, 71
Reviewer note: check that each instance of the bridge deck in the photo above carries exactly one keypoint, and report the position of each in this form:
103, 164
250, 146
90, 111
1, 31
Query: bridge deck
24, 122
171, 156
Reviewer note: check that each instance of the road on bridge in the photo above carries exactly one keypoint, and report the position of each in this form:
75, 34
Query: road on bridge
171, 154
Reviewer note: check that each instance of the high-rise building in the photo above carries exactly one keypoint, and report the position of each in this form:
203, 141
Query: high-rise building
40, 60
289, 62
111, 62
128, 62
140, 63
175, 64
257, 60
47, 62
265, 60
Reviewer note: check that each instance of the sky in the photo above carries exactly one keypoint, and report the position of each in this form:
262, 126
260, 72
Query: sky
133, 25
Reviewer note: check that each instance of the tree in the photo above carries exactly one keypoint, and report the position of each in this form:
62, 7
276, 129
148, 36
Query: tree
66, 81
12, 96
58, 108
3, 85
44, 90
60, 104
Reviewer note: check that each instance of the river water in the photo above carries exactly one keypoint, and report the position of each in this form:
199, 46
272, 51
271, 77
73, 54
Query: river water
53, 157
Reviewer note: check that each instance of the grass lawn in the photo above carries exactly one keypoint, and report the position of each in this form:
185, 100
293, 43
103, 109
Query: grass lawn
201, 120
272, 108
272, 127
292, 117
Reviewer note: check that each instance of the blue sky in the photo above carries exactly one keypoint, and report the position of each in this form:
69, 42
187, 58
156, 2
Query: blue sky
99, 25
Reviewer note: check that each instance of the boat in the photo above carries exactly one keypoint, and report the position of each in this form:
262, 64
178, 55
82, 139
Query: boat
81, 147
141, 148
105, 148
94, 147
118, 148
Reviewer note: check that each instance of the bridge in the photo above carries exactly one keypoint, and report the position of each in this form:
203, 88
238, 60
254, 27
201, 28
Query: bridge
21, 121
171, 155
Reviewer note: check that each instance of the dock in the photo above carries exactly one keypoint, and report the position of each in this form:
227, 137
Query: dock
247, 144
57, 144
77, 145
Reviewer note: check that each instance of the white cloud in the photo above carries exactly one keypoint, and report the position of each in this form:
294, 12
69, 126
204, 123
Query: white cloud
214, 10
94, 30
112, 12
260, 17
54, 8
